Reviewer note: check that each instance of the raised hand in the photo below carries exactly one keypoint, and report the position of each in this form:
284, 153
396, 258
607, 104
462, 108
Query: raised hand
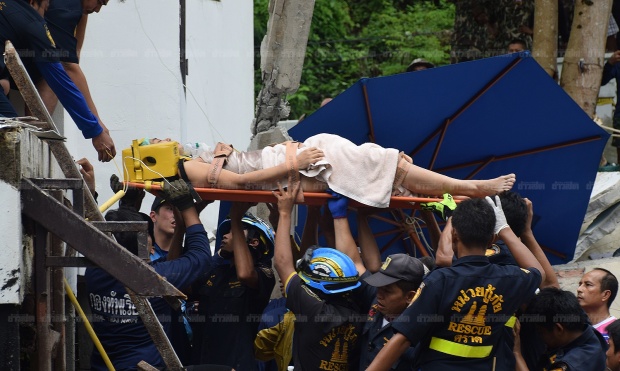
88, 173
500, 218
286, 198
337, 204
178, 194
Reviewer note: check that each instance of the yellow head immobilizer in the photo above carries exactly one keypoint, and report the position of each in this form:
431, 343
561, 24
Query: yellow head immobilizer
149, 162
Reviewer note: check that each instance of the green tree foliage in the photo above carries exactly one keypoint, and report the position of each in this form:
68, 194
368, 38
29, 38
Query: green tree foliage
351, 39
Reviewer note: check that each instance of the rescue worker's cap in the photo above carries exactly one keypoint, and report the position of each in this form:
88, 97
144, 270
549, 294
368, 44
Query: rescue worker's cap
398, 267
419, 62
157, 203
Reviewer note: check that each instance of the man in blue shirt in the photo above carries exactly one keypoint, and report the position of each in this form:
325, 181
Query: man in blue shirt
66, 20
115, 319
23, 24
471, 301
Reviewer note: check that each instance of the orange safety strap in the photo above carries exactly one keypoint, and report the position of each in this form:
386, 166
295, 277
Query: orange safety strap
221, 153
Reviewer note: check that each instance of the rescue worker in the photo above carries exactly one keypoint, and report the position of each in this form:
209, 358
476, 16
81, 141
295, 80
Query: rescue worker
613, 352
572, 343
22, 23
323, 295
472, 300
396, 284
234, 295
120, 329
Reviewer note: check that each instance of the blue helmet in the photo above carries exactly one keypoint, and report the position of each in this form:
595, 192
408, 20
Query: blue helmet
266, 235
328, 270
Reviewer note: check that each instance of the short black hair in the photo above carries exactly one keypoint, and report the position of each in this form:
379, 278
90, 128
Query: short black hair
515, 210
552, 306
614, 334
429, 262
518, 41
128, 240
609, 282
474, 222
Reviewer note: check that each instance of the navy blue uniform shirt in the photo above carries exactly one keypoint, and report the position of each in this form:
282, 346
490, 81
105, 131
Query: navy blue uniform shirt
115, 319
229, 313
587, 352
461, 312
375, 336
26, 29
328, 329
62, 18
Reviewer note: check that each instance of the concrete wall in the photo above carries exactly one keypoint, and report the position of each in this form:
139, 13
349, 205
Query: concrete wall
131, 60
11, 266
18, 148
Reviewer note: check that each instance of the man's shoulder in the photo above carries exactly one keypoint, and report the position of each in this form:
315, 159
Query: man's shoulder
587, 351
63, 5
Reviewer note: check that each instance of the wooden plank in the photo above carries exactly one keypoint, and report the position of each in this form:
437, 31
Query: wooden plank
94, 244
149, 318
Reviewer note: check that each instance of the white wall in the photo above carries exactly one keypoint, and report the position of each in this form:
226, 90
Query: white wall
131, 60
11, 265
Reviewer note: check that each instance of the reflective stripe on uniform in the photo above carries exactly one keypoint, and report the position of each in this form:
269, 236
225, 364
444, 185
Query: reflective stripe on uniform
460, 350
511, 322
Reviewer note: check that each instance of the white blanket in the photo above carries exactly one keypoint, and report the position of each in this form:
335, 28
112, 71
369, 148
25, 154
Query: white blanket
363, 173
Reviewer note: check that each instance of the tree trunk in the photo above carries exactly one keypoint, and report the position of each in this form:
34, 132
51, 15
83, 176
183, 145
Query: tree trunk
282, 58
545, 45
585, 55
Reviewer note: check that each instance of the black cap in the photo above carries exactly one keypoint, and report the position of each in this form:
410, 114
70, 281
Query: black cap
157, 203
397, 267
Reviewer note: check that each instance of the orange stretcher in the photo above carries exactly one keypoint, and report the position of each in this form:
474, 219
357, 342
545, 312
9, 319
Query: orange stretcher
310, 198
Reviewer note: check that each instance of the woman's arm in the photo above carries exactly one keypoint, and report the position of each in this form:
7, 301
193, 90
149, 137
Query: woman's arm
197, 172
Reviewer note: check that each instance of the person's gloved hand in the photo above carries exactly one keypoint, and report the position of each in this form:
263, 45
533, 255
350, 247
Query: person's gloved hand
443, 208
500, 218
337, 204
115, 183
178, 194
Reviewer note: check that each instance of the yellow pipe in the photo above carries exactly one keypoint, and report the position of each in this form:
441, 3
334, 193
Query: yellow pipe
111, 201
89, 328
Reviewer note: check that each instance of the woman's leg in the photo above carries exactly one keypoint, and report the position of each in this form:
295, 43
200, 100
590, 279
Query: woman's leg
426, 182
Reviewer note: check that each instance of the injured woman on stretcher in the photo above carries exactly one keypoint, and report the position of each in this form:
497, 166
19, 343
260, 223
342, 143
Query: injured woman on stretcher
368, 173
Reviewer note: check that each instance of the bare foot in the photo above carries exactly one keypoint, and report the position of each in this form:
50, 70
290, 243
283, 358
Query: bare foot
494, 186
